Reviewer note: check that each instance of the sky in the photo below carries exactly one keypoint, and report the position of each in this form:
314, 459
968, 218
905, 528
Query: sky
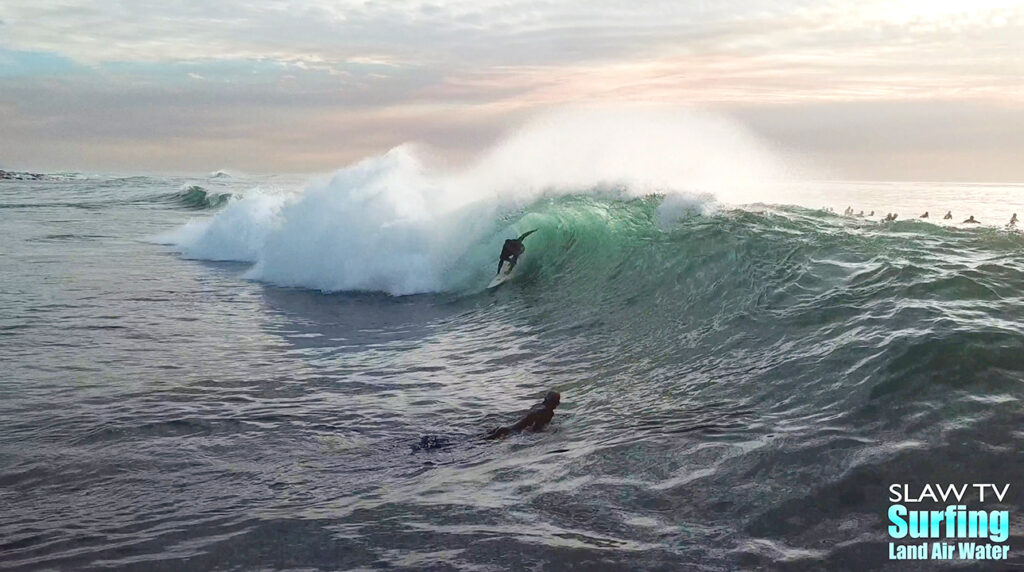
875, 90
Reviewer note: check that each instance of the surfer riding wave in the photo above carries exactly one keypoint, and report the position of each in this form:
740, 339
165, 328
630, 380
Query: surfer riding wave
512, 250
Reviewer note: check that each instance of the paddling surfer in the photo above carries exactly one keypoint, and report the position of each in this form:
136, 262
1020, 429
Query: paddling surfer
535, 420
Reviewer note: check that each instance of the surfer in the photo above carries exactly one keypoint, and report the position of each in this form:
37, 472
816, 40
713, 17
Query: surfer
535, 420
949, 215
512, 250
971, 220
1013, 220
925, 215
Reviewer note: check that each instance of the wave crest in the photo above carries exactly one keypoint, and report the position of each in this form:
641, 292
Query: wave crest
389, 224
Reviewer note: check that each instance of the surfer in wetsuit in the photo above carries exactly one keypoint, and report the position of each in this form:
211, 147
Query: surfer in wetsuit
1013, 220
971, 221
535, 420
949, 215
512, 250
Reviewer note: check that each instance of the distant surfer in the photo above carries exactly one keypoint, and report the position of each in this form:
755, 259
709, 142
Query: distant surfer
949, 215
535, 420
1013, 220
971, 220
512, 250
925, 215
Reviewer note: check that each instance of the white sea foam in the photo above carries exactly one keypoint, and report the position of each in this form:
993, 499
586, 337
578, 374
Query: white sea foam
239, 232
389, 224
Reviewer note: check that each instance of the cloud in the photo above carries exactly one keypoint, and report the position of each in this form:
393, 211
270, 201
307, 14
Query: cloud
490, 32
363, 74
559, 51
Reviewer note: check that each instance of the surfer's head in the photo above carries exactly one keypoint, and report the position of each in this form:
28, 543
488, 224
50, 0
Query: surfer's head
552, 399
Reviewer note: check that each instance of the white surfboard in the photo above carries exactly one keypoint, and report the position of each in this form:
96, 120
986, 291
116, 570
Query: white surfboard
504, 276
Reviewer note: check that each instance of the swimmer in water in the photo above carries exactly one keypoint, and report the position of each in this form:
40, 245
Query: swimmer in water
971, 221
535, 420
512, 250
925, 215
949, 215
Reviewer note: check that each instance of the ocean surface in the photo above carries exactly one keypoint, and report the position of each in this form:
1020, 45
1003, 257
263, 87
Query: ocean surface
230, 372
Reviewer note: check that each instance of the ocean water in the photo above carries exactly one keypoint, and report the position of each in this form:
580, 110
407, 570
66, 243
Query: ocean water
229, 373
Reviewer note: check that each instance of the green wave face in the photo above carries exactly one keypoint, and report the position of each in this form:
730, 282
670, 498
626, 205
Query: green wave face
737, 298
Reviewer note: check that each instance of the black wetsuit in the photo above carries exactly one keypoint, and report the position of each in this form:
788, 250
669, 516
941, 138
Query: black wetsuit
510, 253
535, 420
512, 250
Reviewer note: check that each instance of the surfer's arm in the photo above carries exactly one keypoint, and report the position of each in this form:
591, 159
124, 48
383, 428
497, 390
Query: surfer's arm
501, 432
523, 423
536, 419
526, 234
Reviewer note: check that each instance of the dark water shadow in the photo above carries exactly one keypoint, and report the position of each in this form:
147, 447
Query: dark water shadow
354, 321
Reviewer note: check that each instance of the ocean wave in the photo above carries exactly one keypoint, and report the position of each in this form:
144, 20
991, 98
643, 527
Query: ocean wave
391, 224
196, 197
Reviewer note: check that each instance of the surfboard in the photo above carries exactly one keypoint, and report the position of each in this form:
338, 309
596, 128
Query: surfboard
504, 276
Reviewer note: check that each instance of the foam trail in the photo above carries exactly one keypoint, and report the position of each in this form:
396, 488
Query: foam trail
389, 224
